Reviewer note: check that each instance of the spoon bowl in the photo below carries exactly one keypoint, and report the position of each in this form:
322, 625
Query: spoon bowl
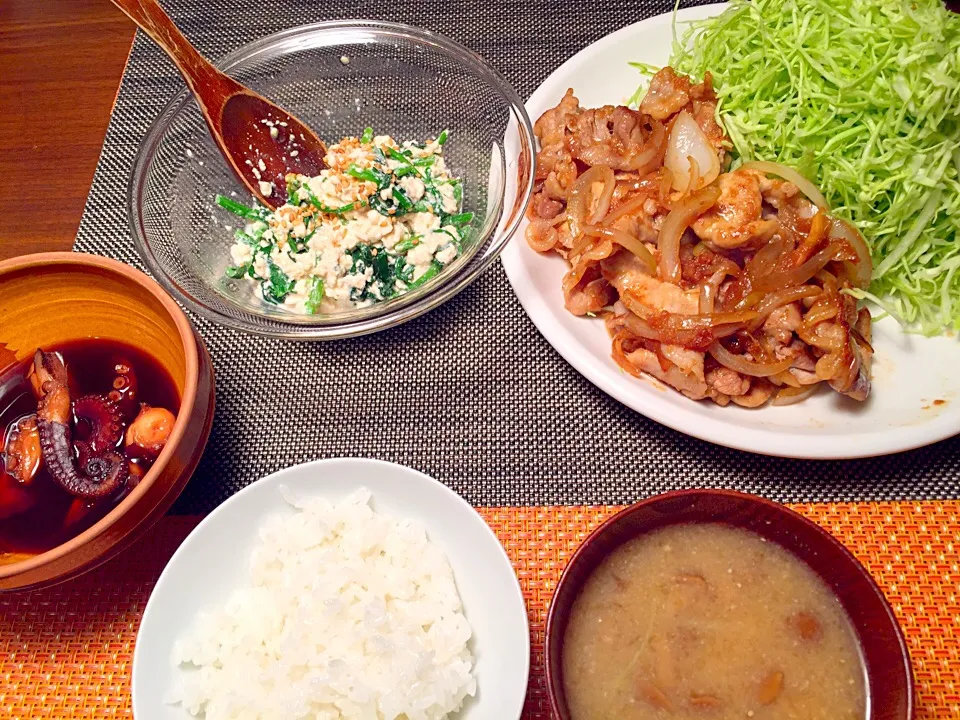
261, 141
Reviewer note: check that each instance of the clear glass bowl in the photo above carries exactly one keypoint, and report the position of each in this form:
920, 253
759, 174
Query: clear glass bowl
339, 77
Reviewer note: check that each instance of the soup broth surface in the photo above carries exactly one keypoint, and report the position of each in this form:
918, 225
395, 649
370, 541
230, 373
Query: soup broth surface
708, 621
38, 515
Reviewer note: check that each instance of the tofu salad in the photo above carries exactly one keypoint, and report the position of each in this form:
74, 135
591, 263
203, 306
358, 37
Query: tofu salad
381, 219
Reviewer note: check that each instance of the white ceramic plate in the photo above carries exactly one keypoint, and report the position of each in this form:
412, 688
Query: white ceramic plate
916, 381
214, 560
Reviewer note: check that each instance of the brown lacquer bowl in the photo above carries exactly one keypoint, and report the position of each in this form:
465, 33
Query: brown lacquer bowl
884, 652
54, 298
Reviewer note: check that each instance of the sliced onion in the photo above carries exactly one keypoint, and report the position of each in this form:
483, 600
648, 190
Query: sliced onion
828, 279
820, 314
699, 339
779, 298
676, 223
680, 321
800, 274
709, 290
786, 378
600, 250
606, 195
630, 243
687, 140
620, 355
666, 183
790, 175
707, 298
581, 195
861, 271
625, 208
750, 301
765, 258
694, 182
791, 395
747, 367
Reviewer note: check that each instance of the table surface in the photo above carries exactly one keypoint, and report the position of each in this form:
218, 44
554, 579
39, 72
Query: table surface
60, 70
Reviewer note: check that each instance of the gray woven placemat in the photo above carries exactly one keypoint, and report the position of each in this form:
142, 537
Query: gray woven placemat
470, 393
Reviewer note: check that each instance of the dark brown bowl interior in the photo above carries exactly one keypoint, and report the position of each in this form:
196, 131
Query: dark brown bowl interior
889, 675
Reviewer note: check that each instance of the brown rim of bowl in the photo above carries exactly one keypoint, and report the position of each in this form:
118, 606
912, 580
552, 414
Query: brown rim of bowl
187, 399
553, 645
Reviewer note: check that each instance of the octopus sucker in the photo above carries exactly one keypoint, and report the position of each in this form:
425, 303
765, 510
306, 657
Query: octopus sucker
103, 422
125, 390
100, 475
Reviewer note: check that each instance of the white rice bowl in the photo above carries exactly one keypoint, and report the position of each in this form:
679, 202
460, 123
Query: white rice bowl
349, 614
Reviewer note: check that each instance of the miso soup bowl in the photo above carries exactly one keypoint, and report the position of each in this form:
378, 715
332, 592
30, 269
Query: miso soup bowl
883, 650
52, 298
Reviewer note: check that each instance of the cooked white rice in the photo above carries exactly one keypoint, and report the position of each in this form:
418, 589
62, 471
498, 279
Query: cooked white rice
348, 614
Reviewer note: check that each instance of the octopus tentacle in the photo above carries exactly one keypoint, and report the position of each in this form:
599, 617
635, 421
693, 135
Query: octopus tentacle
102, 418
22, 453
100, 475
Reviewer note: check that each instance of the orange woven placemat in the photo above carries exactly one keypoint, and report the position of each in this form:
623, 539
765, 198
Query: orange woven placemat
65, 652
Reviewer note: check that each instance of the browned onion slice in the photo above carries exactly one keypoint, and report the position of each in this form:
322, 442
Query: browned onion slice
779, 298
861, 271
790, 175
676, 223
629, 242
747, 367
697, 339
581, 194
791, 395
801, 274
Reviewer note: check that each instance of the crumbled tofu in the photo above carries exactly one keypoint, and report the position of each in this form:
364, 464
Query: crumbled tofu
318, 234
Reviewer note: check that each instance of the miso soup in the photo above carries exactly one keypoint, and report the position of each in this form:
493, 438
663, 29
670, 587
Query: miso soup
709, 621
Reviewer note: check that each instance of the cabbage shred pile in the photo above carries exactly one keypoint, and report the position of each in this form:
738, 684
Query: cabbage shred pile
863, 97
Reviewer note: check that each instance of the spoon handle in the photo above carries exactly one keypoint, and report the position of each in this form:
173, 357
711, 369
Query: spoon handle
209, 85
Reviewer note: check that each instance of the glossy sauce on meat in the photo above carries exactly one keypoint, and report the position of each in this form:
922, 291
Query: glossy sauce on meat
37, 515
708, 621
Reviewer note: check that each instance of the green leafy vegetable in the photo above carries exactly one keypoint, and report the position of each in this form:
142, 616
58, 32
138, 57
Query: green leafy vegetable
315, 201
406, 163
293, 187
277, 286
369, 175
237, 271
461, 219
315, 297
403, 202
407, 244
250, 213
443, 137
431, 273
367, 136
863, 97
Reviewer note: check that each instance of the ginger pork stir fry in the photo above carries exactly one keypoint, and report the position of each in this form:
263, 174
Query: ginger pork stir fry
724, 285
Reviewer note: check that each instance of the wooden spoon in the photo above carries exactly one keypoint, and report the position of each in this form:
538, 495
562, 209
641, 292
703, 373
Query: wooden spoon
261, 141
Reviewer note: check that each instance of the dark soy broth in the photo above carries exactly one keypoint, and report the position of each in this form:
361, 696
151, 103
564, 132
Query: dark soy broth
38, 516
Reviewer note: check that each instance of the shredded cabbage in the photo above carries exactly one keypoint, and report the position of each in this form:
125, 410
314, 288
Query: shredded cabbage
863, 97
